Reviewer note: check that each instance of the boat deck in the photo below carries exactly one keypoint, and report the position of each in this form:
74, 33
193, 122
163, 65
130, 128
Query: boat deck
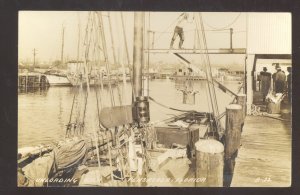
264, 159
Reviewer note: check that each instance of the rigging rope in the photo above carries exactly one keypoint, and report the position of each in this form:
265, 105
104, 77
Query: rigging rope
127, 55
106, 58
226, 26
166, 29
168, 107
208, 72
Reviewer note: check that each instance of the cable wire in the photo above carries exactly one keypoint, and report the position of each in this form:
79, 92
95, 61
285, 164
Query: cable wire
226, 26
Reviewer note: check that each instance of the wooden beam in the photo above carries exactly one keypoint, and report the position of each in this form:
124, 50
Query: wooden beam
198, 51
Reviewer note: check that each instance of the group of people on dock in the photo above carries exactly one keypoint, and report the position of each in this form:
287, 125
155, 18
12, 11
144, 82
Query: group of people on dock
281, 83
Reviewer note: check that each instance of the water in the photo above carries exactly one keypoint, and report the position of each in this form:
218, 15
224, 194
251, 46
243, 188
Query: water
43, 116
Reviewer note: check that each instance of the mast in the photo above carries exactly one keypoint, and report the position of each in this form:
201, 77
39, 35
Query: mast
231, 32
112, 39
125, 39
62, 45
138, 53
34, 54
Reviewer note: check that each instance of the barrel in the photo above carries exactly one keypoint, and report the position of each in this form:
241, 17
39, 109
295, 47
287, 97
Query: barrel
273, 108
209, 163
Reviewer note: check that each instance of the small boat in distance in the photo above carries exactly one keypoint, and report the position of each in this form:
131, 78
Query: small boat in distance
97, 75
57, 78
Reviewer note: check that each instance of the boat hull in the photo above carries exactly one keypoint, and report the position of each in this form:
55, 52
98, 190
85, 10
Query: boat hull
58, 80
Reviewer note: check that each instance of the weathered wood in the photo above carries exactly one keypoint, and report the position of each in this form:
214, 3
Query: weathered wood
116, 116
209, 163
157, 162
233, 129
264, 160
241, 100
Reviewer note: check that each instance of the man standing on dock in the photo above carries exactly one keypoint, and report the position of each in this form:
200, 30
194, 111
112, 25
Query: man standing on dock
279, 80
178, 31
265, 82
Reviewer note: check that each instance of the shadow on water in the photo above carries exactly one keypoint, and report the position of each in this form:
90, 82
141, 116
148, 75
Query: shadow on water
33, 90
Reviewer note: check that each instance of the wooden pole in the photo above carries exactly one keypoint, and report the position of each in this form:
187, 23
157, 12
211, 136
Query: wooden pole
231, 32
241, 100
138, 53
112, 39
233, 129
125, 39
209, 163
234, 119
34, 54
106, 58
110, 164
62, 45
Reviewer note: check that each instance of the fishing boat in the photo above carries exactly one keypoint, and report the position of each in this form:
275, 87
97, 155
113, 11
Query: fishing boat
96, 76
57, 78
125, 148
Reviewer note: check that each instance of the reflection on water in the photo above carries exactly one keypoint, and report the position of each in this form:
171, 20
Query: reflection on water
44, 114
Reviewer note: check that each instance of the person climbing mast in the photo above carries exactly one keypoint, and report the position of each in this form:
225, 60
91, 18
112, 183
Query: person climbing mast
178, 31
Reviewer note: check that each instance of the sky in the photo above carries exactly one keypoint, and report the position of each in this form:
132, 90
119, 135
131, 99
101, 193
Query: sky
42, 30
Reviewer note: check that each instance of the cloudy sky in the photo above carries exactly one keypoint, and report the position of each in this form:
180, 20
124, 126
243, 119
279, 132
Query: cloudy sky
42, 30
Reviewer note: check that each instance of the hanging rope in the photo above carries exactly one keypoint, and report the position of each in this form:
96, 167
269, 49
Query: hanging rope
88, 91
173, 22
168, 107
208, 72
226, 26
127, 55
106, 58
69, 126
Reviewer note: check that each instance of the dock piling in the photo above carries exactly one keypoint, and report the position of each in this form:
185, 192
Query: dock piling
234, 120
209, 163
241, 100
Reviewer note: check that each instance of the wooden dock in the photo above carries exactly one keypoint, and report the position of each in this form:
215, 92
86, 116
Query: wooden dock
264, 159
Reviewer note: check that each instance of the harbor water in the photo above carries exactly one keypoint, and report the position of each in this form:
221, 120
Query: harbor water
43, 115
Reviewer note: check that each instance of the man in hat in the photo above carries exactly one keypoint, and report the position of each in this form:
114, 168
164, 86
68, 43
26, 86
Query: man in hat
178, 31
279, 80
265, 82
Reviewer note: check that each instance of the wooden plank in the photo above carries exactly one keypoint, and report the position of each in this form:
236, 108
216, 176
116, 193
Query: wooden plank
264, 160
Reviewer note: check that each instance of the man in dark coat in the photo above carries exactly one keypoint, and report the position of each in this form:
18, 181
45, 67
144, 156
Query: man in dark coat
265, 78
280, 80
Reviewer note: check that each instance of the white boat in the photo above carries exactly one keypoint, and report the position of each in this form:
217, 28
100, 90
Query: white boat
56, 78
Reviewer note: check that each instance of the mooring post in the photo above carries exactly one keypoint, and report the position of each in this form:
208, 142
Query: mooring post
233, 129
234, 119
241, 100
209, 163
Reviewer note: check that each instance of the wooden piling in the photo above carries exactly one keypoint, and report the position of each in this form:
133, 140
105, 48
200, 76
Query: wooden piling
241, 100
234, 123
209, 163
234, 119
